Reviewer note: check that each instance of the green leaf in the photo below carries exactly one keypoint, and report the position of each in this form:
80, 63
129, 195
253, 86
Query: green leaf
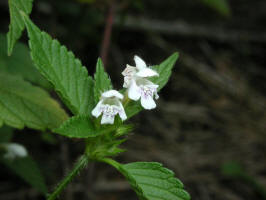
6, 133
16, 25
151, 181
81, 127
62, 69
221, 6
20, 63
102, 81
22, 104
28, 170
164, 70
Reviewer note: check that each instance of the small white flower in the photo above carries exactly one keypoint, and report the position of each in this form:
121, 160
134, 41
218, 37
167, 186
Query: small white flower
141, 88
14, 150
109, 105
141, 70
135, 79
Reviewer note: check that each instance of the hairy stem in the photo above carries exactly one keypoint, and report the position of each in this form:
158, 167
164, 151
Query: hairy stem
82, 163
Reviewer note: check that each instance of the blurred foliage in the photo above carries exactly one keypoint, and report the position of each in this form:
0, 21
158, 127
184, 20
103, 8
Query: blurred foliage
221, 6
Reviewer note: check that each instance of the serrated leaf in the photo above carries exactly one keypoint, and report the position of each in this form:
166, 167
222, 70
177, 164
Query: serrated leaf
221, 6
102, 81
20, 63
16, 25
164, 70
28, 170
81, 127
22, 104
151, 181
62, 69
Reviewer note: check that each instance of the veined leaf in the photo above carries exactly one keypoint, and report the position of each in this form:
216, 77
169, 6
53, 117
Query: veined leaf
151, 181
20, 63
81, 127
62, 69
28, 170
164, 70
16, 25
22, 104
102, 81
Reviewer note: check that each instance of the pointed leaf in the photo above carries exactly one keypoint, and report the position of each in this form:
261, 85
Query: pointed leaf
16, 25
102, 81
62, 69
28, 170
22, 104
81, 127
20, 63
151, 181
164, 70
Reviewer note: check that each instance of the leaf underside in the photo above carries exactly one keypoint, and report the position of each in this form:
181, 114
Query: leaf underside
22, 104
20, 63
62, 69
16, 25
151, 181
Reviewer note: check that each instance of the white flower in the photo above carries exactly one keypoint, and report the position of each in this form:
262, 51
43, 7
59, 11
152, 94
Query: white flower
141, 70
109, 105
139, 87
14, 150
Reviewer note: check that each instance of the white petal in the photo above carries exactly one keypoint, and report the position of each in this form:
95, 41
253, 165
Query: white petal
140, 64
96, 112
156, 95
129, 71
134, 91
14, 150
147, 72
127, 80
147, 102
107, 119
112, 93
122, 112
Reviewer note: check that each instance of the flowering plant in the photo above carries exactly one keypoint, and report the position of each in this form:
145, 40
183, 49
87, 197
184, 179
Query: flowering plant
99, 111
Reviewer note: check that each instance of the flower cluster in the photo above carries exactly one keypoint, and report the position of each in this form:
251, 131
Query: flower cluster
14, 150
136, 80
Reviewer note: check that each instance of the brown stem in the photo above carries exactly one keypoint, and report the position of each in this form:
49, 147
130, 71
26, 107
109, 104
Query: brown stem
107, 33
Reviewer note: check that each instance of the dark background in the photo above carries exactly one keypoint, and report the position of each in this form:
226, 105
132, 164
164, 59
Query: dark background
210, 124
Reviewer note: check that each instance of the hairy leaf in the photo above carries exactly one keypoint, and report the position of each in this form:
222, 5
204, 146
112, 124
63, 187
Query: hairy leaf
151, 181
62, 69
81, 127
102, 81
165, 71
16, 25
28, 170
20, 63
22, 104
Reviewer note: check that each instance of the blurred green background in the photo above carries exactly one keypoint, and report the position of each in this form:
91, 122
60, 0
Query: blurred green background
210, 124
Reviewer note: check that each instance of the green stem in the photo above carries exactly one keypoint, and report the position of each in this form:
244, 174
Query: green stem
111, 162
82, 163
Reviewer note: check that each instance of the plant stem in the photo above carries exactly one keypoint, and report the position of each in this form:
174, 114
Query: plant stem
82, 163
111, 162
